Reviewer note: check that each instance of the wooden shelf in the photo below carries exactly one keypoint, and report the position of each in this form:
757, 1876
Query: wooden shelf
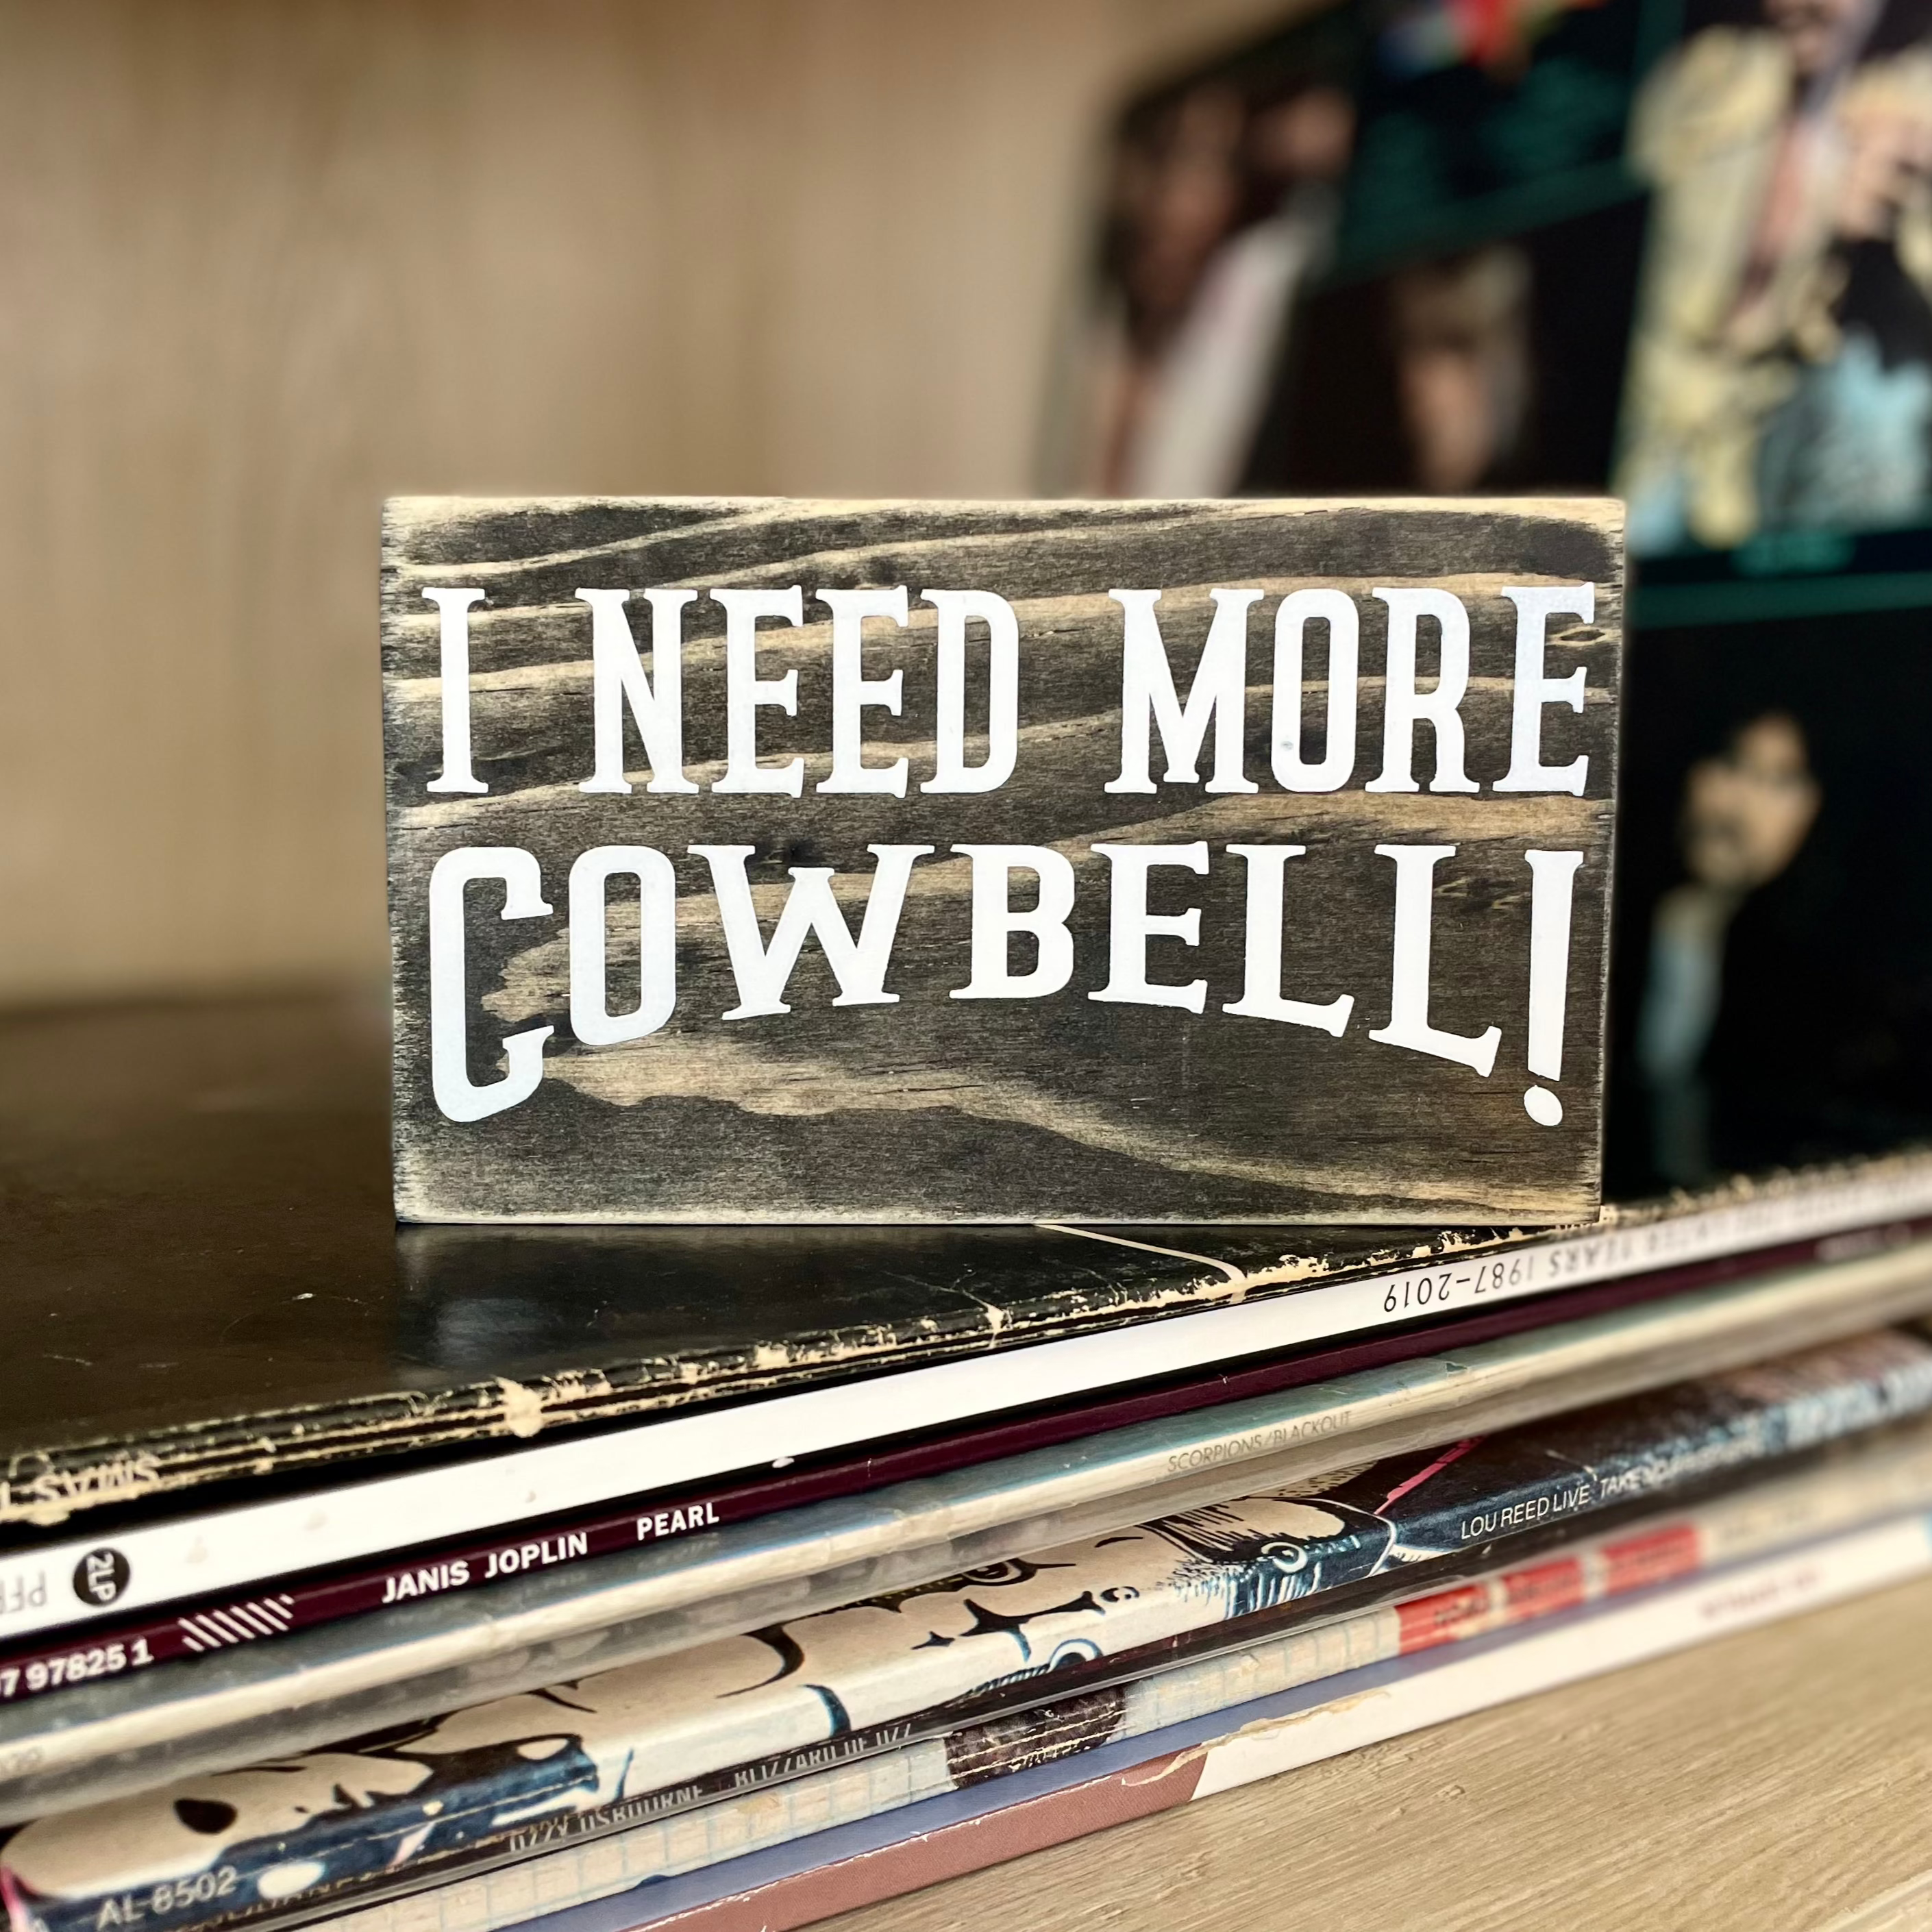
1780, 1781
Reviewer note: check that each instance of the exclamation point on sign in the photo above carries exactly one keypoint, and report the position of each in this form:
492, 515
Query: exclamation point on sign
1553, 877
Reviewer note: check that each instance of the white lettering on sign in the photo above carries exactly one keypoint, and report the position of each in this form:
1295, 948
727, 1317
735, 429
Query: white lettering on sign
1010, 952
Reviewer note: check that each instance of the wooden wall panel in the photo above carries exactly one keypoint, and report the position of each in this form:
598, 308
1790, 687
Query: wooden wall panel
263, 262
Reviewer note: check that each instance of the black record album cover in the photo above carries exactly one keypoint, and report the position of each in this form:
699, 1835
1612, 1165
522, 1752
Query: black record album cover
1771, 973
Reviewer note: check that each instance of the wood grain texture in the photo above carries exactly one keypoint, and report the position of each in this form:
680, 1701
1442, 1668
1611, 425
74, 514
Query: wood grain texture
1776, 1781
268, 260
1063, 1107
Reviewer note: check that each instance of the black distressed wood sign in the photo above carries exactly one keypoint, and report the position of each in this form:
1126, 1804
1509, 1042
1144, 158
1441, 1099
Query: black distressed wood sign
1121, 863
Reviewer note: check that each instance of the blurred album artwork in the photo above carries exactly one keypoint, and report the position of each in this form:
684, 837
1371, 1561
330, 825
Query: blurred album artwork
1684, 253
1781, 376
1223, 195
1494, 368
1470, 333
1489, 119
1771, 968
1392, 248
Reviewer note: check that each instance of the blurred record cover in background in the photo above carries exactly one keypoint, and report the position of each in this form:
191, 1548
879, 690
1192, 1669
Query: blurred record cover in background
1781, 373
1683, 254
1471, 333
1222, 198
1771, 983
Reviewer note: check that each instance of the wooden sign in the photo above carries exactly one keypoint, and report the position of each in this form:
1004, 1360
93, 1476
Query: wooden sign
774, 860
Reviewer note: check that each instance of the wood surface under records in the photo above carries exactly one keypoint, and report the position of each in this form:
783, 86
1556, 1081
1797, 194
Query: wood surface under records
779, 860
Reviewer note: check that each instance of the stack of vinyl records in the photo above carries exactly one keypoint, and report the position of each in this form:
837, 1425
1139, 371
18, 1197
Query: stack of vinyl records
601, 1579
531, 1631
